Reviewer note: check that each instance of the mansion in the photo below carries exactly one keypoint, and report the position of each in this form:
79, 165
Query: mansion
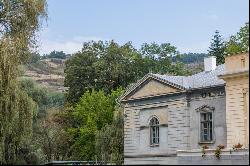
167, 119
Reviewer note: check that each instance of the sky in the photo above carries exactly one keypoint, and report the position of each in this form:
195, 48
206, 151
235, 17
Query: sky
187, 24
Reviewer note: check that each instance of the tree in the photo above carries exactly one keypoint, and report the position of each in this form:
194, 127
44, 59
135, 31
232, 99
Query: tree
80, 73
188, 58
19, 22
159, 56
56, 54
34, 57
49, 137
108, 65
43, 98
101, 66
92, 113
217, 48
239, 42
116, 66
109, 140
49, 140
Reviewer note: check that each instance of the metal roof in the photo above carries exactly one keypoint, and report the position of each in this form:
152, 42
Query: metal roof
203, 79
199, 80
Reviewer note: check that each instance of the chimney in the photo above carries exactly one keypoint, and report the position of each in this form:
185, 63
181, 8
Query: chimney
210, 63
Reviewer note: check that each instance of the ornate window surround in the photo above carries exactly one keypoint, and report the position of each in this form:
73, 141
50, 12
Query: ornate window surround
205, 109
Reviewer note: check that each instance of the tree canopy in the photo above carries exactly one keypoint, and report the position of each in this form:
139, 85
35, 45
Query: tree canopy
217, 48
19, 22
108, 65
56, 54
92, 113
238, 42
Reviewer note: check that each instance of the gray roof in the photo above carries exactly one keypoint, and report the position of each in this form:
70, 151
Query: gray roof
199, 80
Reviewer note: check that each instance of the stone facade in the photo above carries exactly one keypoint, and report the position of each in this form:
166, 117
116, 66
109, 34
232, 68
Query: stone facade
179, 122
178, 103
216, 101
237, 88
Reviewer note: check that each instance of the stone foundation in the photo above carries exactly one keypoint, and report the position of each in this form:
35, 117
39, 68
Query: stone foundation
194, 157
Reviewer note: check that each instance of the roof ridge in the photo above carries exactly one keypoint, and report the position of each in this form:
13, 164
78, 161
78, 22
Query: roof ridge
189, 81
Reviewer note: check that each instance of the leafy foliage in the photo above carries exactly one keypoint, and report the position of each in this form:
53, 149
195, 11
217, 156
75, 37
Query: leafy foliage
109, 140
49, 138
41, 95
91, 114
19, 22
34, 58
238, 42
188, 58
217, 151
106, 66
160, 55
56, 54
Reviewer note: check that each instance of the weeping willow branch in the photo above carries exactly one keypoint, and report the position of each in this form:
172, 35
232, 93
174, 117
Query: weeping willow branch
19, 22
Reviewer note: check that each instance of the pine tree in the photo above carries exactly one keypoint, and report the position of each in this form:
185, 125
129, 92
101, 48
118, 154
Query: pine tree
217, 48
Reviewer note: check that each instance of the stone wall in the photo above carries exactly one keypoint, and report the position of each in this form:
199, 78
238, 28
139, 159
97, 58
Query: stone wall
151, 161
173, 116
227, 157
179, 122
194, 157
237, 99
217, 101
234, 63
237, 111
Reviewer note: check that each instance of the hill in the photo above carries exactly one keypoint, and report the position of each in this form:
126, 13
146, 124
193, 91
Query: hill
47, 72
189, 58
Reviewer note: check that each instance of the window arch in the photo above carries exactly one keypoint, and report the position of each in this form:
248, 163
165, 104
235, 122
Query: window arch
154, 131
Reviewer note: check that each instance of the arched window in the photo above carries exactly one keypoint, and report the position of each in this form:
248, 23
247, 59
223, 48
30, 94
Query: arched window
154, 131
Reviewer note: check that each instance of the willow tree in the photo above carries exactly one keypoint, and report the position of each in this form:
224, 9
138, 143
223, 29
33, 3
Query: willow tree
19, 22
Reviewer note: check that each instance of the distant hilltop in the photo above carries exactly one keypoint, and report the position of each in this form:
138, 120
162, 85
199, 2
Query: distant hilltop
47, 72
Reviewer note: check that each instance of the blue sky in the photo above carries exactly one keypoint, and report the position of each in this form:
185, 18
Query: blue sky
187, 24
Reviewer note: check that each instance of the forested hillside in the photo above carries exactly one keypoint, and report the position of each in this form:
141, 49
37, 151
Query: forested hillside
47, 70
189, 58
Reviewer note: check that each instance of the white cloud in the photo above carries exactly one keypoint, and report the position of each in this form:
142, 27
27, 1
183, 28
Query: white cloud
69, 46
